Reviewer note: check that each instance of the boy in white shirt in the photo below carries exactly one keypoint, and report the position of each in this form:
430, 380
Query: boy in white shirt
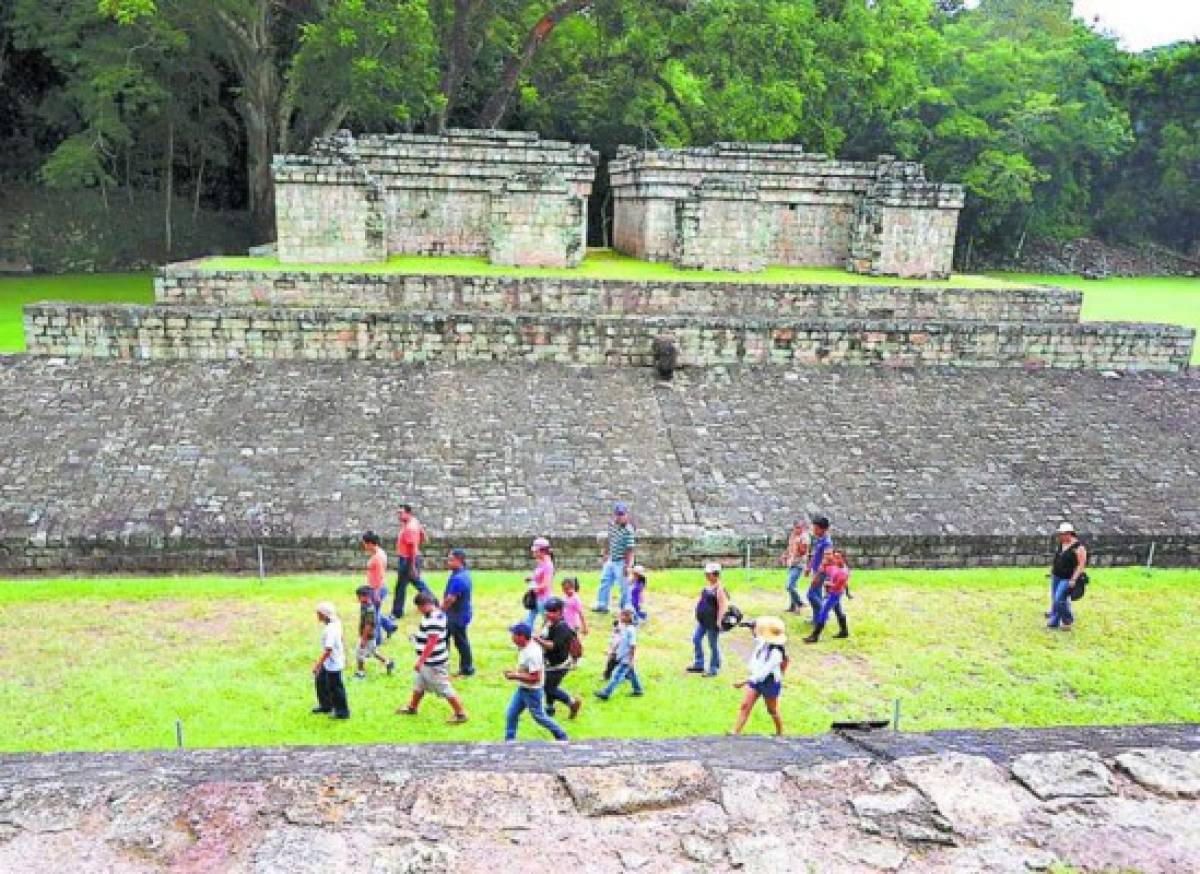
327, 671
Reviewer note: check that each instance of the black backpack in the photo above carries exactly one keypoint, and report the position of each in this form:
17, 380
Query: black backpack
733, 617
1080, 588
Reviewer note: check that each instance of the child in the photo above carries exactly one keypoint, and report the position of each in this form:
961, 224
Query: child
639, 586
837, 578
626, 655
767, 665
368, 642
573, 606
614, 640
327, 671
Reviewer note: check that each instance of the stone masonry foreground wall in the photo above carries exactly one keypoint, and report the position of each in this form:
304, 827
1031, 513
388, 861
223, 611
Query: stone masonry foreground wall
190, 466
999, 802
192, 283
215, 333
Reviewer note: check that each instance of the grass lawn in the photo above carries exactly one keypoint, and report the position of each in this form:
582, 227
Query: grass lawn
1167, 299
112, 663
16, 291
601, 264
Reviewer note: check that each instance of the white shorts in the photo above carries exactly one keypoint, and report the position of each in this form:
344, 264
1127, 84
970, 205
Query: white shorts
435, 679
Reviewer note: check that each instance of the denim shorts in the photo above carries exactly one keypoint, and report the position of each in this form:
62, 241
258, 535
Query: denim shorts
768, 688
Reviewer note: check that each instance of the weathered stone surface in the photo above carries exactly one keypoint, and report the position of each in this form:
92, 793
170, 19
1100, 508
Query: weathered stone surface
1169, 772
885, 805
186, 466
969, 791
463, 799
1075, 774
625, 789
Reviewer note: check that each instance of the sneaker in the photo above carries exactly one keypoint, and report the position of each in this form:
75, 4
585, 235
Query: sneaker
711, 673
576, 705
405, 711
841, 635
695, 669
360, 675
599, 609
457, 719
320, 710
341, 716
640, 694
601, 696
390, 666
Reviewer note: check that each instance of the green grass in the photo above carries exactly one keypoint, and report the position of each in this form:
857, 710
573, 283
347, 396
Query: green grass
599, 264
17, 291
1167, 299
112, 663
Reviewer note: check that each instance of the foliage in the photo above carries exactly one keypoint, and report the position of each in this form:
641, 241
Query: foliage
231, 657
1053, 129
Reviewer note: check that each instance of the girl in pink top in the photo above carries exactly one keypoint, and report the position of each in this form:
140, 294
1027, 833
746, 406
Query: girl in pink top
542, 581
573, 606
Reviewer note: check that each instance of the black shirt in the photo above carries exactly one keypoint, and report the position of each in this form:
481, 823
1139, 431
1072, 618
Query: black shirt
1066, 560
559, 635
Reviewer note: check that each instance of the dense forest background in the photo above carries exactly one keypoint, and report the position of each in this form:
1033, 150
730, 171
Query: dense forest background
132, 131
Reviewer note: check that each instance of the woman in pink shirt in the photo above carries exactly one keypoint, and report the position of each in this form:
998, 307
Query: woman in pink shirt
542, 581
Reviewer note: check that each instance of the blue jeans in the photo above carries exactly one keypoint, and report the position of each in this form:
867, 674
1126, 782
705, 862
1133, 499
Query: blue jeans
539, 610
833, 603
714, 647
1060, 610
383, 622
816, 594
406, 574
613, 574
793, 578
529, 699
624, 671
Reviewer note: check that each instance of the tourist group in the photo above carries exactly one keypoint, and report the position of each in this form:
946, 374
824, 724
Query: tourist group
548, 638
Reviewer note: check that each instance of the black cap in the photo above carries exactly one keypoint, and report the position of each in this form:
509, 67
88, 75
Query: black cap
553, 604
424, 598
823, 521
362, 590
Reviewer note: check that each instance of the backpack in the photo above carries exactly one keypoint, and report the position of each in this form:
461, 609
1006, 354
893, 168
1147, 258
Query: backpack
575, 646
529, 600
733, 617
1080, 588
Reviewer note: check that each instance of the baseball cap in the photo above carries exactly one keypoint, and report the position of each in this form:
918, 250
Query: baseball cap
639, 569
553, 604
620, 508
521, 628
327, 609
713, 567
540, 543
1066, 528
823, 521
459, 553
362, 590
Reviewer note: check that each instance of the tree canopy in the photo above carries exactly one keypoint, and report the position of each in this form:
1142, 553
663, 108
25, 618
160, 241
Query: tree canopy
1053, 129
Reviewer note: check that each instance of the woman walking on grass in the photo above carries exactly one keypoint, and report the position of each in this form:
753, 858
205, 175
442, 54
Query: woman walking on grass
541, 584
768, 663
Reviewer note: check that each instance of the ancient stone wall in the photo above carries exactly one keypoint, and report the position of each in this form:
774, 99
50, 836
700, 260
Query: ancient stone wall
167, 332
852, 802
881, 217
464, 192
192, 283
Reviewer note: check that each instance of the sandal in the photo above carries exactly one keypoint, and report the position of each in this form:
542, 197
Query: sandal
406, 711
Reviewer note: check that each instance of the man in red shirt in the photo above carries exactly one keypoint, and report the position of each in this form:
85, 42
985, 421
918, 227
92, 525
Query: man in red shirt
408, 558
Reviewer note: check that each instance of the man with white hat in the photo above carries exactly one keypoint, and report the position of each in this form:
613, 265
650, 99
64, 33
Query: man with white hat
1070, 561
709, 610
327, 672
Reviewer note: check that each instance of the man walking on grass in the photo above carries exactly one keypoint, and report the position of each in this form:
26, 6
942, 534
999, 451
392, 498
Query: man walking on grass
618, 559
408, 558
327, 672
821, 543
376, 574
456, 604
431, 673
555, 641
529, 677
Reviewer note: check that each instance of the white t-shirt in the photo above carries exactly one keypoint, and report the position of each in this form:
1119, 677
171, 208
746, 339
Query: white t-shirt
531, 660
331, 639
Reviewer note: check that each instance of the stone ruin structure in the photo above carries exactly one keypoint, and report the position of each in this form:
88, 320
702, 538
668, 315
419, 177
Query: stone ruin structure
510, 196
745, 206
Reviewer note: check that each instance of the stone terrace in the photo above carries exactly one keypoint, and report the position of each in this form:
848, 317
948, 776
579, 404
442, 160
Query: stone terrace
1000, 802
109, 466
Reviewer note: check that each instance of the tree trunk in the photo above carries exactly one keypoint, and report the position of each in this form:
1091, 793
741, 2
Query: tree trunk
458, 63
169, 170
497, 103
199, 183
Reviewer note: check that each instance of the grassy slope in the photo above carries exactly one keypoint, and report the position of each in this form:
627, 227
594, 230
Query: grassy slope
600, 264
17, 291
98, 664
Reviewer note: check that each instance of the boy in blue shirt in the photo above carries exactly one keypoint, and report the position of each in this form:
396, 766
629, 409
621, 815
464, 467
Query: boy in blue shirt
816, 556
626, 655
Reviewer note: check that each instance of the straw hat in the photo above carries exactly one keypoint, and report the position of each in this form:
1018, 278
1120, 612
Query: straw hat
770, 629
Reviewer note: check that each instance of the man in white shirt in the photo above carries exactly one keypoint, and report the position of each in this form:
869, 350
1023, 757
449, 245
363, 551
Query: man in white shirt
327, 672
530, 677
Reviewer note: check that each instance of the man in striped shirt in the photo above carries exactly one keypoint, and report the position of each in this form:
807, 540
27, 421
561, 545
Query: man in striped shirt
431, 673
618, 559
